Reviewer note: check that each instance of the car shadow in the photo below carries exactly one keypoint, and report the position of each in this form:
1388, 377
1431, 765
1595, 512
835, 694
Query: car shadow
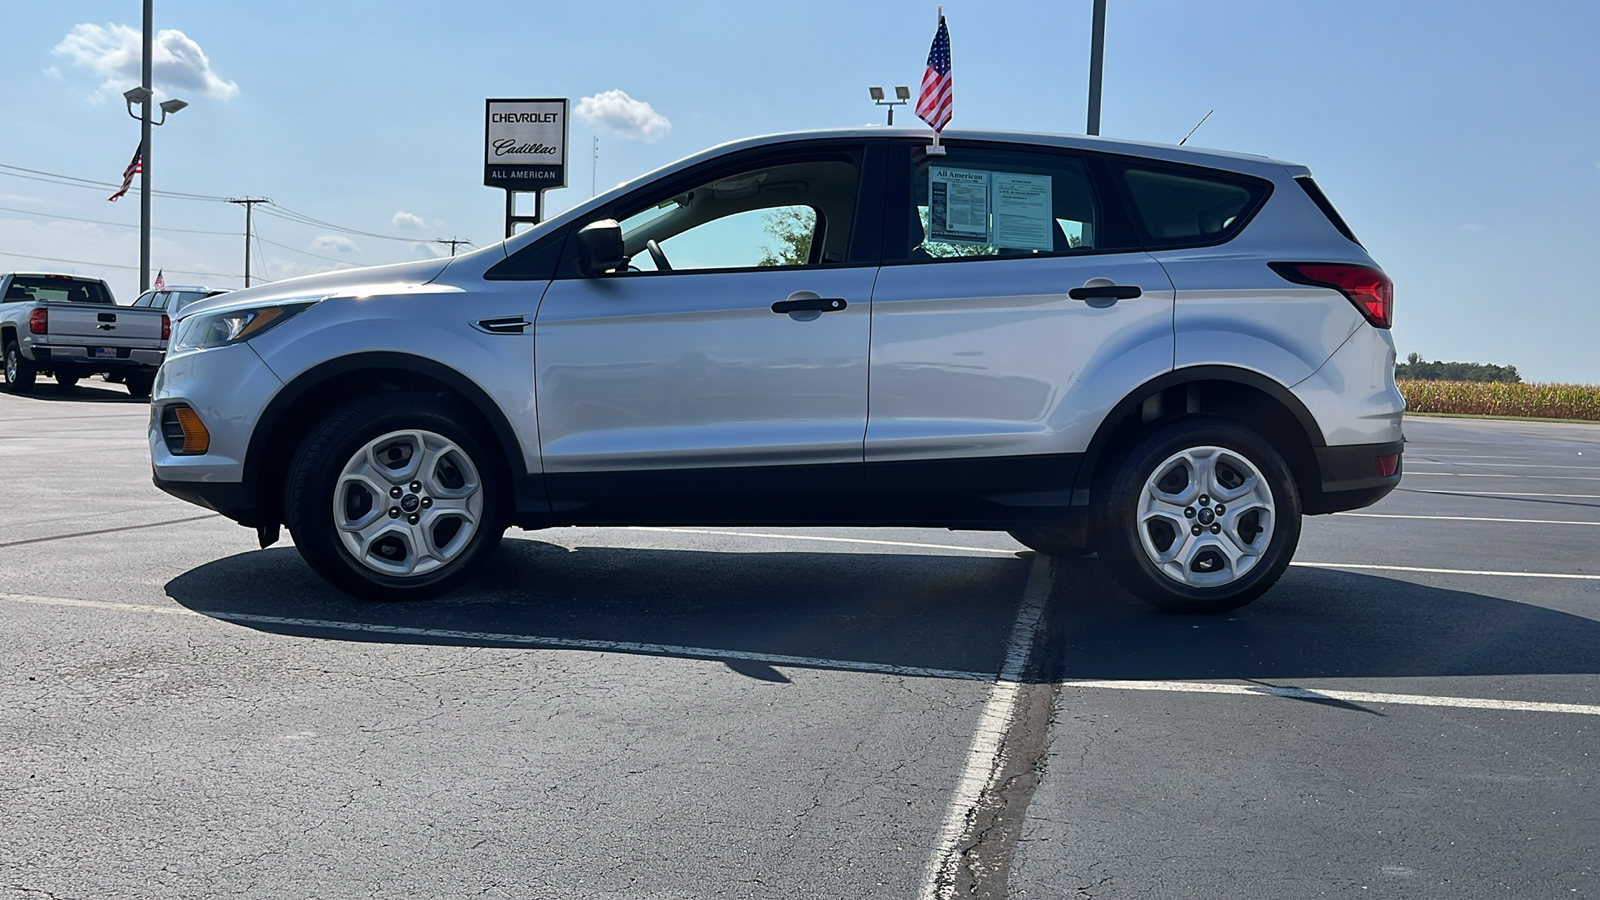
938, 616
1315, 623
47, 389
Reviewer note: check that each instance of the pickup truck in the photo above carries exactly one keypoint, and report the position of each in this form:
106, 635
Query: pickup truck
69, 326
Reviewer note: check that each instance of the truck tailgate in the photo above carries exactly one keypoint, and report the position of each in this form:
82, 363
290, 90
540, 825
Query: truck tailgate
105, 324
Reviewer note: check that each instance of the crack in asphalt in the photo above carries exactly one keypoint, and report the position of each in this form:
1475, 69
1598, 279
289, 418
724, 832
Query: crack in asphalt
79, 534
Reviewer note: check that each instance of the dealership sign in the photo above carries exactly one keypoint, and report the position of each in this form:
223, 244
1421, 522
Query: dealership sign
525, 144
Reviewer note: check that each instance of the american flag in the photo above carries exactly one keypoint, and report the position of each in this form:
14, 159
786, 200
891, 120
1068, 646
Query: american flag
135, 166
933, 105
160, 283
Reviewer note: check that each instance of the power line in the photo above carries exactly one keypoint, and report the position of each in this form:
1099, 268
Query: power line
75, 181
452, 242
262, 240
80, 262
29, 212
280, 211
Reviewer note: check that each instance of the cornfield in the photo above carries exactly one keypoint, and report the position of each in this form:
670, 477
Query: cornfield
1489, 398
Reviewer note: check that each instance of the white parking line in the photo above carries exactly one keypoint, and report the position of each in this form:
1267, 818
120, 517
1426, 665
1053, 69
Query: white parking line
1409, 473
1426, 571
826, 539
1356, 515
1206, 687
1525, 466
985, 758
1492, 494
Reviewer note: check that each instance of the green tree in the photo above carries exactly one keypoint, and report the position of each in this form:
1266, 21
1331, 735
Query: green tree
1415, 368
792, 229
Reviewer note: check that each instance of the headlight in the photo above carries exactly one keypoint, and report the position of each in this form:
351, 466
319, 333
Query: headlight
233, 326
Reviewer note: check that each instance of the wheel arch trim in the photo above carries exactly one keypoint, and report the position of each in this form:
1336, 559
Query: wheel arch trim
1129, 404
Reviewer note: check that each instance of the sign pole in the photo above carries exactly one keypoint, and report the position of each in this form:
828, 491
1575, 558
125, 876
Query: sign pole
525, 152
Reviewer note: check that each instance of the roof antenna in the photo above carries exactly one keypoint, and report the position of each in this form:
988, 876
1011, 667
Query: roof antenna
1196, 126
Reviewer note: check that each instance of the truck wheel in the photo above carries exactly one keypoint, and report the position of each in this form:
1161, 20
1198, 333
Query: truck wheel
66, 380
393, 498
139, 385
19, 372
1201, 516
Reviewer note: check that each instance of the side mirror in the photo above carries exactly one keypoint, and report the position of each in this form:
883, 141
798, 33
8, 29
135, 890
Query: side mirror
600, 247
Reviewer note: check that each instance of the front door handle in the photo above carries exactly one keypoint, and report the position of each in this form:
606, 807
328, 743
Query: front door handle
502, 325
805, 301
1105, 292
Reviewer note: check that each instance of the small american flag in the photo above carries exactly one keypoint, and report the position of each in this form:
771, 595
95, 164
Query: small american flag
135, 166
933, 105
161, 283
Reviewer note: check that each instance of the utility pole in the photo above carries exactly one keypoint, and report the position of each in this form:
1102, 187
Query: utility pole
144, 145
249, 204
453, 242
1097, 61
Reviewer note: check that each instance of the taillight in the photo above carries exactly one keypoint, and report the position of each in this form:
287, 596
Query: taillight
39, 321
166, 327
1369, 289
1386, 466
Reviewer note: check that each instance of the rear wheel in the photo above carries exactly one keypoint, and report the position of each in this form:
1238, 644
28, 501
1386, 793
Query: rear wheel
394, 498
1201, 516
66, 380
139, 384
20, 373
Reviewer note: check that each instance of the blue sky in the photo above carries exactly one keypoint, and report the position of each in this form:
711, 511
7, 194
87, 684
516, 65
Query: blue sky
1460, 140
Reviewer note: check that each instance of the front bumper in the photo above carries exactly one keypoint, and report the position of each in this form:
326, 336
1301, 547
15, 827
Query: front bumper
1350, 478
228, 388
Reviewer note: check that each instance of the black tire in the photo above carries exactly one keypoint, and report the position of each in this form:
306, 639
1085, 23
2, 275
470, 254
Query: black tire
19, 371
313, 479
1121, 544
139, 385
65, 380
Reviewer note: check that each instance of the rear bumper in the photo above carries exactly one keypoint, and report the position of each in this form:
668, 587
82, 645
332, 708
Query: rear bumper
80, 358
1350, 478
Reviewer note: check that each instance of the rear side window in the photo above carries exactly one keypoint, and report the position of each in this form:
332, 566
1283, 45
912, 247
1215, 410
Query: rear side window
51, 288
1188, 207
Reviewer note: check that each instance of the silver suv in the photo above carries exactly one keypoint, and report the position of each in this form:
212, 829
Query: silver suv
1161, 354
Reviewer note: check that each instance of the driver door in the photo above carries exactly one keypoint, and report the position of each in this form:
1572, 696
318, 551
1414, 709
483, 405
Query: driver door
722, 374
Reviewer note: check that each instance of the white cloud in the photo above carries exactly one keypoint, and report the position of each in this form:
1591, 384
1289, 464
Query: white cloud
337, 243
429, 249
114, 52
403, 219
617, 113
1473, 226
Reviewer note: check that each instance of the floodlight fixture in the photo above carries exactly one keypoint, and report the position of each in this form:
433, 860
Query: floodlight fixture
878, 98
137, 95
172, 106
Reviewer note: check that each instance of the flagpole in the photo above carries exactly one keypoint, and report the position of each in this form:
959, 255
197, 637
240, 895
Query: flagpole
935, 149
144, 149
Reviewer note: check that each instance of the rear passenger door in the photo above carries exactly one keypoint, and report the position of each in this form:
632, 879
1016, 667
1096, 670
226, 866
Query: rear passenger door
1013, 309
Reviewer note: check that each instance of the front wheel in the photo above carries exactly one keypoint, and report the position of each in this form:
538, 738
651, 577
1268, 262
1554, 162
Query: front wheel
1201, 516
65, 380
394, 498
20, 373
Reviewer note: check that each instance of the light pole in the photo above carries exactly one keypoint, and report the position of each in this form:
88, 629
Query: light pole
901, 93
1097, 64
141, 95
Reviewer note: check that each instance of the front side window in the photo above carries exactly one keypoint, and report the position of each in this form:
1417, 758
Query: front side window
983, 203
791, 214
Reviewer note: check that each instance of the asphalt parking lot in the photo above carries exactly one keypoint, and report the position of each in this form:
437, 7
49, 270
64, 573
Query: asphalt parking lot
692, 713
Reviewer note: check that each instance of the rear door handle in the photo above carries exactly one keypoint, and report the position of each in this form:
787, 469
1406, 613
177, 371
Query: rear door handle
502, 325
810, 303
1105, 292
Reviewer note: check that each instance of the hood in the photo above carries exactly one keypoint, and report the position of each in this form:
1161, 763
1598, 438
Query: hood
388, 279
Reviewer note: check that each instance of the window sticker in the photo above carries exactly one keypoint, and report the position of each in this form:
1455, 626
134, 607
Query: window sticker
958, 206
1022, 205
